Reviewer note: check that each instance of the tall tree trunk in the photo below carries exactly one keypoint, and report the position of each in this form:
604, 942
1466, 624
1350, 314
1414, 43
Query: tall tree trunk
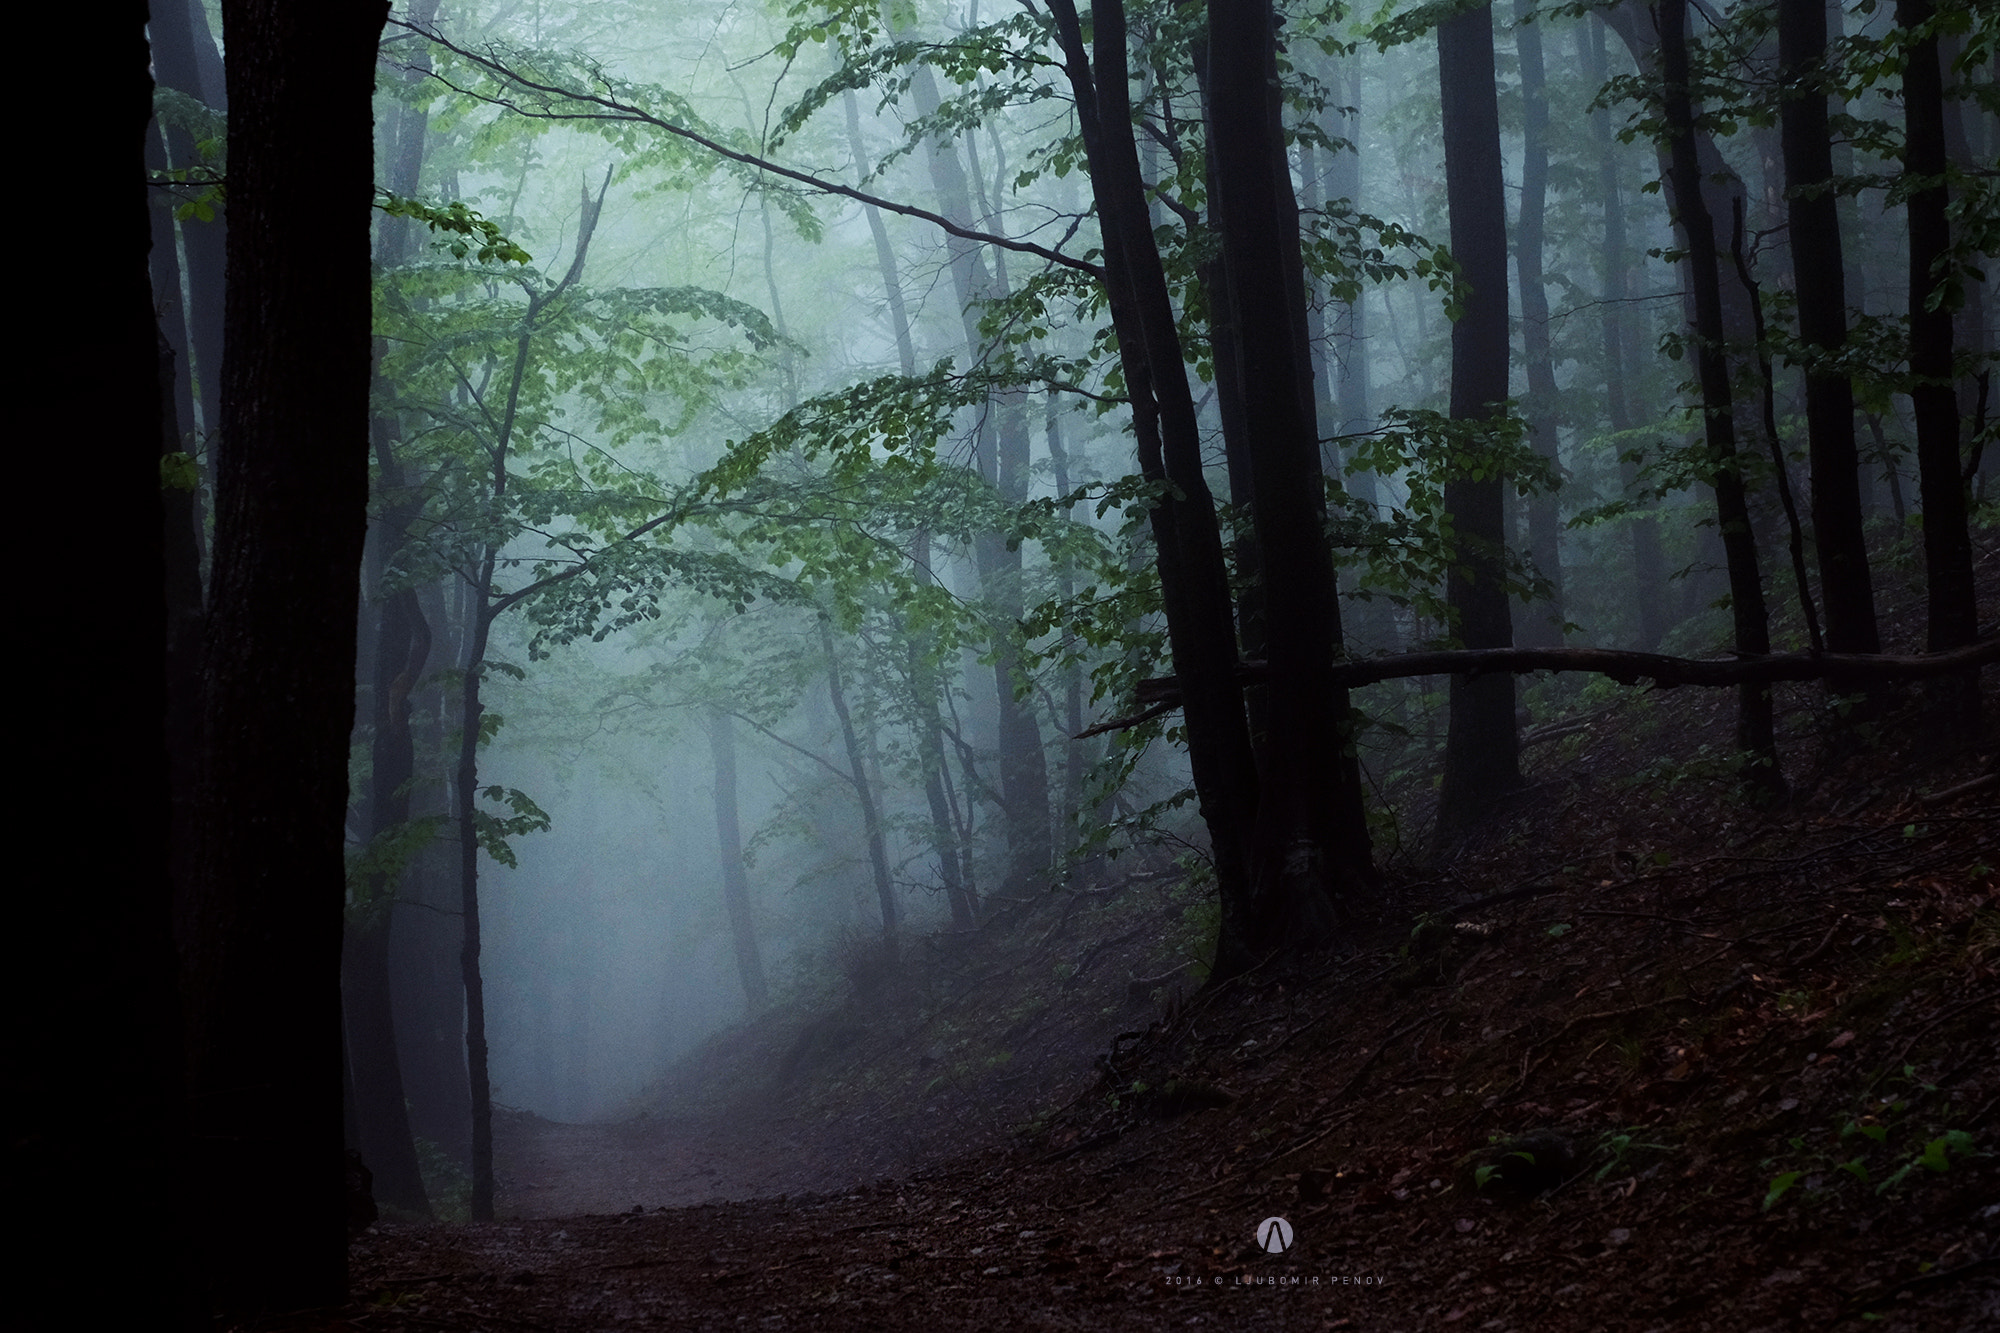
394, 623
1002, 447
1369, 626
1845, 595
402, 646
1649, 577
291, 497
465, 797
729, 851
482, 610
1754, 737
1953, 616
1311, 848
1075, 754
1481, 758
923, 675
1187, 539
426, 989
924, 687
1544, 616
864, 792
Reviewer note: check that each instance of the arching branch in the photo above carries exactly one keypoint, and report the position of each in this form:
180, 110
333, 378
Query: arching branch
617, 110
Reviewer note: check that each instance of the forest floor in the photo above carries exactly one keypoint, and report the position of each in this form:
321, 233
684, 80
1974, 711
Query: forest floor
1637, 1057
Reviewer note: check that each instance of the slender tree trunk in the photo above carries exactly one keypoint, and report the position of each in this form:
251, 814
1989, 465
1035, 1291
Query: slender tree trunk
1754, 736
924, 686
1544, 616
1188, 542
1075, 754
402, 645
393, 622
291, 497
1845, 594
864, 794
729, 851
465, 794
1370, 625
1649, 578
1481, 761
923, 675
426, 988
1003, 460
482, 609
1953, 616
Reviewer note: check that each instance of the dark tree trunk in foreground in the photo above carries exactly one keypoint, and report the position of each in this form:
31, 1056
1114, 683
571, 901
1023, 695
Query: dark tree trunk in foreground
1953, 612
1543, 619
1310, 850
1187, 539
92, 1046
291, 497
729, 850
1481, 756
1754, 737
1845, 595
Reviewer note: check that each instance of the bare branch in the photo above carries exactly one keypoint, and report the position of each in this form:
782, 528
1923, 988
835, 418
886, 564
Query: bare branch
616, 110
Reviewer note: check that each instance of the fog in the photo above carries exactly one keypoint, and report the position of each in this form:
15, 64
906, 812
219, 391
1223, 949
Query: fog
775, 525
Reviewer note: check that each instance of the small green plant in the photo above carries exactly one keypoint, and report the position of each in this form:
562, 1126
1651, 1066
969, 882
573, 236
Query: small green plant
1618, 1148
1864, 1135
1781, 1185
447, 1184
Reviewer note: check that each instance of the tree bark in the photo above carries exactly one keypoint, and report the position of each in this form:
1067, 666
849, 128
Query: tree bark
291, 496
1649, 577
1953, 616
729, 851
1814, 224
1544, 616
864, 794
402, 647
1187, 539
1754, 736
1308, 852
1481, 759
1002, 446
393, 622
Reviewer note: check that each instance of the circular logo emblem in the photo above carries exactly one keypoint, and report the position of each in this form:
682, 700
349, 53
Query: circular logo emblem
1274, 1235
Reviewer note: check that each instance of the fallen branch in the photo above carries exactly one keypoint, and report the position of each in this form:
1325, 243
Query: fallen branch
1628, 668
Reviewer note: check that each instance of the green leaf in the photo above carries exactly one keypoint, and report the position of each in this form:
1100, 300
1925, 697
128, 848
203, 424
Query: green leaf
1781, 1184
179, 472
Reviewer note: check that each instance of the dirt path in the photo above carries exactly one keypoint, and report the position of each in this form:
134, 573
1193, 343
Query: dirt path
545, 1169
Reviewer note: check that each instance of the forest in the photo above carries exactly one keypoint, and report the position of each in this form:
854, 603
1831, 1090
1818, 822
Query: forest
1025, 634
